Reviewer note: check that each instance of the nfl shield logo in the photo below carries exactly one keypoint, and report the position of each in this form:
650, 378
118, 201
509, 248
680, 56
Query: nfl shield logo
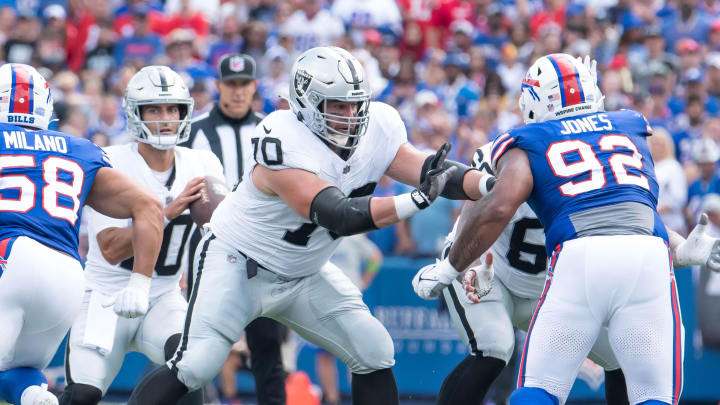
237, 64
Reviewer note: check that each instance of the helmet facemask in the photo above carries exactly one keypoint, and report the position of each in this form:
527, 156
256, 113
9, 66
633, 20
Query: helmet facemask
325, 74
143, 128
356, 124
158, 85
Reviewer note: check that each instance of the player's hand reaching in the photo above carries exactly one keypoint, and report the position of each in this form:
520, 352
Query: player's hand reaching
436, 176
133, 301
699, 249
430, 280
591, 65
477, 280
191, 193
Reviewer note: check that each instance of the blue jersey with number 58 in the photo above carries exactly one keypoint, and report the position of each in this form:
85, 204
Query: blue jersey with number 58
45, 177
585, 168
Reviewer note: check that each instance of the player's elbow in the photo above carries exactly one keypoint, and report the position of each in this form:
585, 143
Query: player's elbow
148, 208
342, 215
504, 211
111, 254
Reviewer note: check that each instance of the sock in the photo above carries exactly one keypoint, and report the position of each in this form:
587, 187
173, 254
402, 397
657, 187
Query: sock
376, 388
615, 388
14, 381
470, 380
160, 387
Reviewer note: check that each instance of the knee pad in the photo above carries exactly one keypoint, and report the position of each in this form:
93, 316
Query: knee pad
532, 396
14, 381
171, 345
373, 355
80, 394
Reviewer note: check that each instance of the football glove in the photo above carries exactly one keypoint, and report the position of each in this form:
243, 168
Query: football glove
133, 300
436, 175
430, 280
699, 249
477, 280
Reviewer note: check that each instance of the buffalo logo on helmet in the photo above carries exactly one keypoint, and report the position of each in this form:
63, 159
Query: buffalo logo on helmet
236, 64
302, 82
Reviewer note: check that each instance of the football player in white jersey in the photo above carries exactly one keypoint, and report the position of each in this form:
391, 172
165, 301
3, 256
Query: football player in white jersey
158, 108
485, 323
267, 253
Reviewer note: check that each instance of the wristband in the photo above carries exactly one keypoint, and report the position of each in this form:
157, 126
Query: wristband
487, 182
446, 271
410, 203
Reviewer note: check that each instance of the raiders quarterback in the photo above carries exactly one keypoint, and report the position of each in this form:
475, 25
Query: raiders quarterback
158, 108
267, 254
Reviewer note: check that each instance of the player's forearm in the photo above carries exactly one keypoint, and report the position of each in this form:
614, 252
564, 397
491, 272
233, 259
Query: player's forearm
477, 184
147, 231
115, 244
383, 211
480, 225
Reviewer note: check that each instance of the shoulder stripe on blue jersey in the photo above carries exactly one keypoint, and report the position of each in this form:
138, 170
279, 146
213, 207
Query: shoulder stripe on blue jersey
571, 91
499, 150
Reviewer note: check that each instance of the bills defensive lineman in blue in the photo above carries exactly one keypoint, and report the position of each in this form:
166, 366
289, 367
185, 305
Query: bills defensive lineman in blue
589, 177
46, 177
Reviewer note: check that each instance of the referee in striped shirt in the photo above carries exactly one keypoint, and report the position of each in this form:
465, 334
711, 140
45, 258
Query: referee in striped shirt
226, 131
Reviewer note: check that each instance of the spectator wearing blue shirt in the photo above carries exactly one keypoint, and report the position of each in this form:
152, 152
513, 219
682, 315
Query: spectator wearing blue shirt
685, 20
143, 46
706, 154
230, 40
694, 86
460, 93
179, 49
687, 128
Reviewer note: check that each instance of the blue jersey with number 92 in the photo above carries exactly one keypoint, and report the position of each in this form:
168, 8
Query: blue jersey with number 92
45, 177
585, 162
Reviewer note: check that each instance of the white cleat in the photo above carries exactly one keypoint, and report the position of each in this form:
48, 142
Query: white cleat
37, 395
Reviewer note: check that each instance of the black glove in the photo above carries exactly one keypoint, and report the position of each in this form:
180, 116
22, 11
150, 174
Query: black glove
436, 176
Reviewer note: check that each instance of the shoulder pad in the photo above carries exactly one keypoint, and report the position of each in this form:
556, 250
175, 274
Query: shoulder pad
281, 141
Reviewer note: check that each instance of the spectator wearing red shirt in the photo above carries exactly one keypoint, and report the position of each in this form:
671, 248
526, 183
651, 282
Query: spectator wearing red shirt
443, 15
186, 18
554, 12
124, 16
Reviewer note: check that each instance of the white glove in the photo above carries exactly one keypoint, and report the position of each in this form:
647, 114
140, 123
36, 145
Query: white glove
477, 280
430, 280
133, 300
591, 65
699, 249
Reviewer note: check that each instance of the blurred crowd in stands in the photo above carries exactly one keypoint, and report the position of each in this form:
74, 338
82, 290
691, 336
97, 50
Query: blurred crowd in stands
451, 67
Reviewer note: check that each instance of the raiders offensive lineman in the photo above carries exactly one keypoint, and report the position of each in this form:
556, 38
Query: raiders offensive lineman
267, 254
158, 108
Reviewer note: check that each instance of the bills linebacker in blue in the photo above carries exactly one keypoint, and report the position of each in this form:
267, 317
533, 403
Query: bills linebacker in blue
46, 178
589, 177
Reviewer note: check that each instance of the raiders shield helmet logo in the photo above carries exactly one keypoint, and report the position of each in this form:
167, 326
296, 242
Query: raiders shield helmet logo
237, 64
302, 82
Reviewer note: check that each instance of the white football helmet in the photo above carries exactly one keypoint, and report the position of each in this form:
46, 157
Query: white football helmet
25, 97
558, 86
330, 73
157, 85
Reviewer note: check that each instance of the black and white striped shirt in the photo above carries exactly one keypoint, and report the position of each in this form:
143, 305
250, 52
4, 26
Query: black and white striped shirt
219, 133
